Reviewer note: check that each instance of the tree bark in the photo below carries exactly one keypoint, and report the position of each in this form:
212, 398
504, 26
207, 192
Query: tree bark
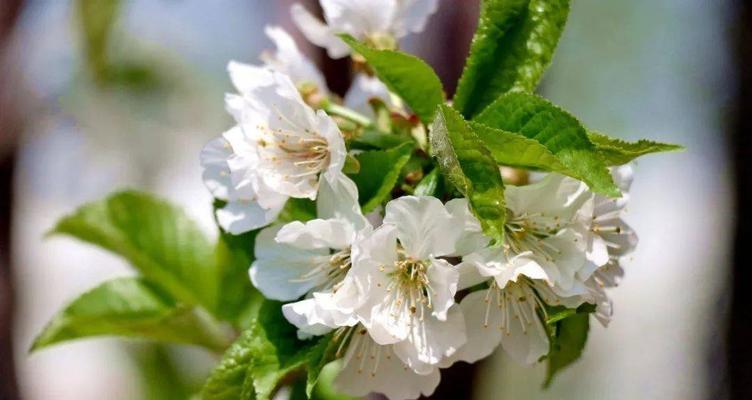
9, 132
739, 337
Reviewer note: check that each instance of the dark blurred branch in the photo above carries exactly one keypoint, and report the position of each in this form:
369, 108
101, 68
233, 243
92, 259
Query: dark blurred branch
739, 339
10, 125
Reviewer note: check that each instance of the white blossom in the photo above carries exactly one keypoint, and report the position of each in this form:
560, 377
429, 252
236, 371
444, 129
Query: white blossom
363, 89
368, 367
617, 237
369, 20
315, 256
548, 247
397, 287
548, 223
289, 60
406, 291
279, 149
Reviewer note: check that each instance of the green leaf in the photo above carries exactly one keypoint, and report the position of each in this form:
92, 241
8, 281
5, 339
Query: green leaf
298, 210
558, 313
567, 344
407, 76
511, 49
379, 172
320, 355
161, 375
515, 150
158, 239
277, 352
471, 168
617, 152
237, 297
131, 307
226, 380
325, 389
536, 118
371, 138
429, 185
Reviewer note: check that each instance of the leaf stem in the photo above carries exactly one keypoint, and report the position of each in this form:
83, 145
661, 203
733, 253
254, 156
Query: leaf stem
344, 112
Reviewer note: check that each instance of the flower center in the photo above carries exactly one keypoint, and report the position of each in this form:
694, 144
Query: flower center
523, 234
409, 290
297, 150
330, 272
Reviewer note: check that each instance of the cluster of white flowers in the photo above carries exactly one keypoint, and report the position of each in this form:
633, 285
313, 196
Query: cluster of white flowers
416, 286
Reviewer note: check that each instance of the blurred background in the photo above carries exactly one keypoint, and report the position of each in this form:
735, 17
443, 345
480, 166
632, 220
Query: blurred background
101, 95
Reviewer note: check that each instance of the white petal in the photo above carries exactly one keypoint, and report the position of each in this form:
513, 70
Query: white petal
362, 90
317, 234
307, 317
482, 322
412, 15
242, 216
567, 260
359, 17
623, 176
432, 340
288, 59
472, 238
425, 226
556, 199
327, 128
597, 249
527, 345
338, 199
216, 173
376, 249
521, 265
493, 262
622, 243
385, 373
279, 268
469, 275
248, 78
318, 33
444, 279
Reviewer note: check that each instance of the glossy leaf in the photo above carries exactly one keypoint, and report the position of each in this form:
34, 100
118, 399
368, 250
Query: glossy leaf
617, 152
298, 210
429, 185
161, 375
158, 239
319, 356
130, 307
407, 76
379, 173
571, 334
237, 298
276, 349
563, 135
226, 380
512, 47
469, 166
371, 138
514, 150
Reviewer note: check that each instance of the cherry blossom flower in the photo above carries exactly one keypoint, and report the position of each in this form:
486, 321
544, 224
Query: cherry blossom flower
301, 258
406, 291
380, 22
279, 149
289, 60
369, 367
